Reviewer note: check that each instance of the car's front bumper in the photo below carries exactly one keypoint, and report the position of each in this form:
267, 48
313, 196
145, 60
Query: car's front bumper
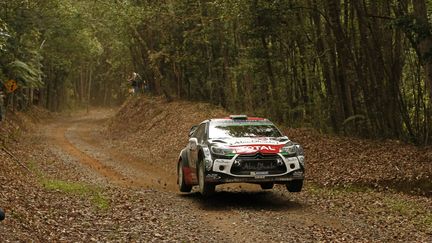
221, 178
221, 170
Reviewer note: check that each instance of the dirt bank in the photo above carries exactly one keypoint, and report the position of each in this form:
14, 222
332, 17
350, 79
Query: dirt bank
155, 129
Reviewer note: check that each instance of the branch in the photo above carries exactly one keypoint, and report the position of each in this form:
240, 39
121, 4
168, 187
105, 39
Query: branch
379, 17
15, 159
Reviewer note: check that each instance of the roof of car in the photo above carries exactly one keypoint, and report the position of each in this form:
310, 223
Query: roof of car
247, 119
237, 118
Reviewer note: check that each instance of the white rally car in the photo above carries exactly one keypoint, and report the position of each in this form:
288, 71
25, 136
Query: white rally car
239, 149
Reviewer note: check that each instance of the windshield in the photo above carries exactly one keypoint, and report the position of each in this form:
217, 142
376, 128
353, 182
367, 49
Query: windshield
242, 129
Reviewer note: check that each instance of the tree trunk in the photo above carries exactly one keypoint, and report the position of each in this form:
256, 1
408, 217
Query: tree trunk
425, 44
343, 56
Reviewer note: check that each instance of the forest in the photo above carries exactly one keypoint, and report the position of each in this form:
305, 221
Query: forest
358, 68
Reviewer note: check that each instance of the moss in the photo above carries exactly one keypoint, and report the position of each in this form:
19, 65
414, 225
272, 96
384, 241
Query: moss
401, 206
80, 189
73, 188
427, 222
100, 201
33, 167
414, 210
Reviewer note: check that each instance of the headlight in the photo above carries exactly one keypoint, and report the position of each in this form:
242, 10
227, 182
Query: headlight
290, 150
222, 150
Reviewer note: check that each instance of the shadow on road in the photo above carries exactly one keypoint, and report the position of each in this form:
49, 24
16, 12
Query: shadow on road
262, 200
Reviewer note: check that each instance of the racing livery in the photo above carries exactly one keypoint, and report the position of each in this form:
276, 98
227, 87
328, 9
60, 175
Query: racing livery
239, 149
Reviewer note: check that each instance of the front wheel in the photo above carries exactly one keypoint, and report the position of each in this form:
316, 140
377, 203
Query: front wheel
206, 189
181, 180
295, 186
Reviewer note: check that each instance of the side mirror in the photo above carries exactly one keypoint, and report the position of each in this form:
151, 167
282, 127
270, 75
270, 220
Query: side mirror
192, 130
193, 142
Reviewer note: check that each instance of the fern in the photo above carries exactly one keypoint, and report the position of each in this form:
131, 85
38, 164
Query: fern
352, 118
28, 76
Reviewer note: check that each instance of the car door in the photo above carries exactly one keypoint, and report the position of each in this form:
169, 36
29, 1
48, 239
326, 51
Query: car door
194, 144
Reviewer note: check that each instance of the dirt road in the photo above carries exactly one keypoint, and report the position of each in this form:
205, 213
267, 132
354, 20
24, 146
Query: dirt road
239, 213
81, 138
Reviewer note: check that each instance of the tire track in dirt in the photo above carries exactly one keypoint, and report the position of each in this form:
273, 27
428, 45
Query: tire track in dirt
140, 172
58, 132
79, 138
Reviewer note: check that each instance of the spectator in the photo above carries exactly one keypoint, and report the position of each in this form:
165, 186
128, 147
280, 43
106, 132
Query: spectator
146, 86
134, 82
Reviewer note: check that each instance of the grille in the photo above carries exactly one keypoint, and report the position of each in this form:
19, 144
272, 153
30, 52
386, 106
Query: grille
258, 156
258, 163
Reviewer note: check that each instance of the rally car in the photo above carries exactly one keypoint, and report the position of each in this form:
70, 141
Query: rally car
239, 149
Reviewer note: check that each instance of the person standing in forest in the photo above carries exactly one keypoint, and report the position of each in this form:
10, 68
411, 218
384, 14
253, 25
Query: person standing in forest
146, 86
136, 83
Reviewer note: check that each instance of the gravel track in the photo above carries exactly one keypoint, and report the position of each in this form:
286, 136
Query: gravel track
143, 203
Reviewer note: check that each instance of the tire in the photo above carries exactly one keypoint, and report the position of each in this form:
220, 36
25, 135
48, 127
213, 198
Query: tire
295, 186
267, 185
206, 189
181, 180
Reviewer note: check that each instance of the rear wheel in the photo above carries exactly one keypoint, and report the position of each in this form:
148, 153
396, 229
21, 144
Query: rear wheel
295, 186
206, 189
181, 180
267, 185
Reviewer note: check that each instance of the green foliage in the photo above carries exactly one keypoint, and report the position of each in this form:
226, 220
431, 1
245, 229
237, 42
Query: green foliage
303, 63
317, 63
78, 189
27, 76
416, 31
68, 48
4, 35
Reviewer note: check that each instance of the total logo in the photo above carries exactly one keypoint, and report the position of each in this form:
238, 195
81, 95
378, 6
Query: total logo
255, 148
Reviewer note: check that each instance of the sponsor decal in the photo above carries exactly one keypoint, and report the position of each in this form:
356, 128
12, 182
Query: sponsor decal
255, 141
258, 175
213, 176
223, 161
265, 149
241, 122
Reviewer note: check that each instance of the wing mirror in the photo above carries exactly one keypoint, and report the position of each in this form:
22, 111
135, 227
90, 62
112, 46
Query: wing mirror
192, 130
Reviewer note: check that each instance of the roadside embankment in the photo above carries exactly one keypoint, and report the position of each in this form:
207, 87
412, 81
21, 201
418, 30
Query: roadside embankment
158, 129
